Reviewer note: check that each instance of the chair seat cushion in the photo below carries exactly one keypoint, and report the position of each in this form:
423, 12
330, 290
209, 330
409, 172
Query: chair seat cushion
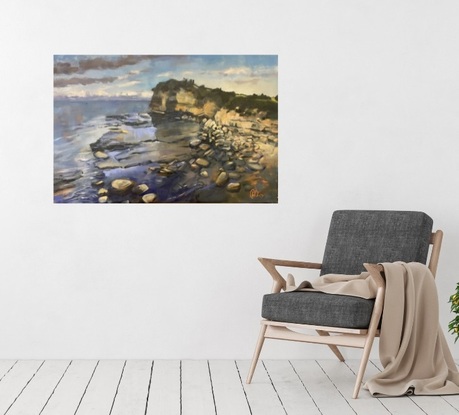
316, 308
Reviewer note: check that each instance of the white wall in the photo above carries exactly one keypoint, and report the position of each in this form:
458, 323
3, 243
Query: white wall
369, 118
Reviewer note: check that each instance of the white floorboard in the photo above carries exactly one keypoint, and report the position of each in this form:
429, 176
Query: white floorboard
325, 394
262, 396
291, 391
100, 395
165, 388
134, 388
71, 389
228, 389
35, 396
197, 392
6, 366
199, 387
15, 381
344, 380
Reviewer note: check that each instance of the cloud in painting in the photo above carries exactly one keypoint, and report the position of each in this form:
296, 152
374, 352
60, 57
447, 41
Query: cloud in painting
242, 70
64, 68
245, 71
98, 63
118, 75
59, 83
168, 74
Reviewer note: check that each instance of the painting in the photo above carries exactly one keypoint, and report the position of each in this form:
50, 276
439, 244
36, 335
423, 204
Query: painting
165, 129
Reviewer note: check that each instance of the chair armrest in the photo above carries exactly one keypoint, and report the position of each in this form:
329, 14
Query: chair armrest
289, 263
376, 271
279, 282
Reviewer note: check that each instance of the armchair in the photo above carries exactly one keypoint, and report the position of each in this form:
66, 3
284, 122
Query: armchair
357, 241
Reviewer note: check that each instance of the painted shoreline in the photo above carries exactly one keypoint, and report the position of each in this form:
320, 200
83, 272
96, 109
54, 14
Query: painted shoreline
177, 157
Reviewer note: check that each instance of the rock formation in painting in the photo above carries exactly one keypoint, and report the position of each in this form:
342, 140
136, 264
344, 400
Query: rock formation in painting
236, 147
186, 96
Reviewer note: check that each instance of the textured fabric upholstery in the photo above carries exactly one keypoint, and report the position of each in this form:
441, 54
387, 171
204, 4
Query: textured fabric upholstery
358, 236
354, 237
318, 309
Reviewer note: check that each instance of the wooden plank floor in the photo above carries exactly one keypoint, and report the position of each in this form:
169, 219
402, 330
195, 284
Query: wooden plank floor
198, 387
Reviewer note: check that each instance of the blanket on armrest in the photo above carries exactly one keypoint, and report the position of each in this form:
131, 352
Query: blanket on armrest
412, 347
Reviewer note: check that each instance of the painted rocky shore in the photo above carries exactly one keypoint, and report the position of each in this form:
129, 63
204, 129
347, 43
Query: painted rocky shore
195, 144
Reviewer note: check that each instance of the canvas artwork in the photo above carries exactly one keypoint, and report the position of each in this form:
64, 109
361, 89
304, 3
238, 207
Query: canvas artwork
165, 129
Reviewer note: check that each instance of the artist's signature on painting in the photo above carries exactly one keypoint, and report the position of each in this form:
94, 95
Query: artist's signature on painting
255, 194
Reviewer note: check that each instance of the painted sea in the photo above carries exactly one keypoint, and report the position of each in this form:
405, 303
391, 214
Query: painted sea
116, 151
78, 124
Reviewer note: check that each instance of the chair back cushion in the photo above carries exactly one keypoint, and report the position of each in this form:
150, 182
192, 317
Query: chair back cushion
358, 236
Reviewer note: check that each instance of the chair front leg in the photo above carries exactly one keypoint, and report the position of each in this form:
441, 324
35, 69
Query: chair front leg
256, 354
376, 272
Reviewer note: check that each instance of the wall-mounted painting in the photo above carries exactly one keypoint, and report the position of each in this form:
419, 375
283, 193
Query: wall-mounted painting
165, 129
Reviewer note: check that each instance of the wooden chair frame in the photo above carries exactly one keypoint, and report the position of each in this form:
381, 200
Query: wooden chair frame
332, 336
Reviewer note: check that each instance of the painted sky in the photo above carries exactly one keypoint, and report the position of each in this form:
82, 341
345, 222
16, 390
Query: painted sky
134, 76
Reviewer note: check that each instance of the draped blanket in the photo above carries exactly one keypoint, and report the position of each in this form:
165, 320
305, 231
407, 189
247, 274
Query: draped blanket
412, 346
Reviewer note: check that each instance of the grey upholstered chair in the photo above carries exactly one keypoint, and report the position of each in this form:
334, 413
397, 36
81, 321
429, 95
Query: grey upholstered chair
357, 240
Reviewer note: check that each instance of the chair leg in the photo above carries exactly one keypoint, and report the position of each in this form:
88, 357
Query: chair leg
333, 348
363, 364
256, 354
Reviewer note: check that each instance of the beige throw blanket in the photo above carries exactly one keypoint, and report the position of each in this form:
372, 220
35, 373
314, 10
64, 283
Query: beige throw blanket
356, 285
412, 346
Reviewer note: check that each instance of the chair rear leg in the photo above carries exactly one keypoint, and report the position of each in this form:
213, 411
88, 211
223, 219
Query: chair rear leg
333, 348
256, 354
